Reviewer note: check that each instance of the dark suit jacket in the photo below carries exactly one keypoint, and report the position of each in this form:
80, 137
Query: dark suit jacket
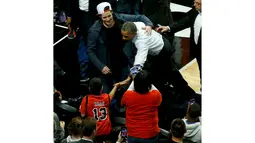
187, 22
158, 11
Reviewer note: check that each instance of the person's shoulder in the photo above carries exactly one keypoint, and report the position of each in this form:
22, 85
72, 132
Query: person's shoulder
155, 91
96, 26
129, 94
139, 25
105, 96
192, 12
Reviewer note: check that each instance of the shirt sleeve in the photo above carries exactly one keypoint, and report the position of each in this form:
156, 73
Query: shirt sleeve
131, 86
142, 52
107, 99
153, 87
82, 106
159, 97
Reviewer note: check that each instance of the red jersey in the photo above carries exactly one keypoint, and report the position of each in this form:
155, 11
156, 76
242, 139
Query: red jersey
98, 108
142, 113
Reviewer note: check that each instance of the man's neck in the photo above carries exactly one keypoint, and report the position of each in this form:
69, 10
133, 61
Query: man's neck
192, 120
75, 137
178, 140
110, 26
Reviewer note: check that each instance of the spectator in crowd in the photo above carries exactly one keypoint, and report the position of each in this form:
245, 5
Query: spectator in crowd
89, 130
59, 129
156, 52
178, 129
192, 20
74, 130
96, 105
142, 100
107, 52
128, 6
192, 122
158, 11
57, 98
82, 14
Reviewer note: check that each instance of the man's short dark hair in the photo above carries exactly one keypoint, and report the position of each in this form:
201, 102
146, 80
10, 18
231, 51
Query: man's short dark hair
95, 86
75, 126
56, 96
129, 27
142, 82
194, 111
178, 128
89, 125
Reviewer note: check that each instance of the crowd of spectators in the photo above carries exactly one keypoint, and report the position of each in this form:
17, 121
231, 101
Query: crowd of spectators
127, 51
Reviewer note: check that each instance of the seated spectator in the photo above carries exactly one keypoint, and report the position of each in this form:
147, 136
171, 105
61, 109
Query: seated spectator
142, 100
74, 130
59, 129
178, 129
193, 125
96, 105
89, 130
62, 109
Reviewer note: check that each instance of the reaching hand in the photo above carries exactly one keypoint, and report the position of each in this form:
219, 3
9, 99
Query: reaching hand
147, 29
106, 70
62, 124
120, 138
117, 84
68, 20
124, 82
162, 29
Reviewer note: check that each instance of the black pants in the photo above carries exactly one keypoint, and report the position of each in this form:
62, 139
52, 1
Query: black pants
163, 69
83, 20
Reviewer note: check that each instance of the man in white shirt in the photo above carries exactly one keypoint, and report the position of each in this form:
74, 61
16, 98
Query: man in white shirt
154, 53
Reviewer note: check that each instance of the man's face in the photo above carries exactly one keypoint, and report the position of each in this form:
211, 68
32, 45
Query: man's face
107, 19
127, 36
197, 4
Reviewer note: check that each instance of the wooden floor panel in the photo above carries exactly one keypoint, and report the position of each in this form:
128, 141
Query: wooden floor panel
190, 73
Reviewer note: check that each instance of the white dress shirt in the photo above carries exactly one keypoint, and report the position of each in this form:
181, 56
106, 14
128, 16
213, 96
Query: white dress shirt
197, 27
132, 88
146, 44
84, 5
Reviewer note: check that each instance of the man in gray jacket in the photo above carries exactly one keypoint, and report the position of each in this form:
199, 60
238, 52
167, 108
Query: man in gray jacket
193, 124
111, 56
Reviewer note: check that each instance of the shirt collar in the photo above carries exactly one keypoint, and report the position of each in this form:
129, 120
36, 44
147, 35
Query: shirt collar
86, 139
134, 39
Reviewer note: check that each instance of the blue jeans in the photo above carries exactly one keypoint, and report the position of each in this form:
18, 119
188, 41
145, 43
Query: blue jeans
83, 58
139, 140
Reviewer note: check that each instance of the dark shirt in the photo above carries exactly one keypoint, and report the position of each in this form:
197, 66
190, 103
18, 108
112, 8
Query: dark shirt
115, 44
